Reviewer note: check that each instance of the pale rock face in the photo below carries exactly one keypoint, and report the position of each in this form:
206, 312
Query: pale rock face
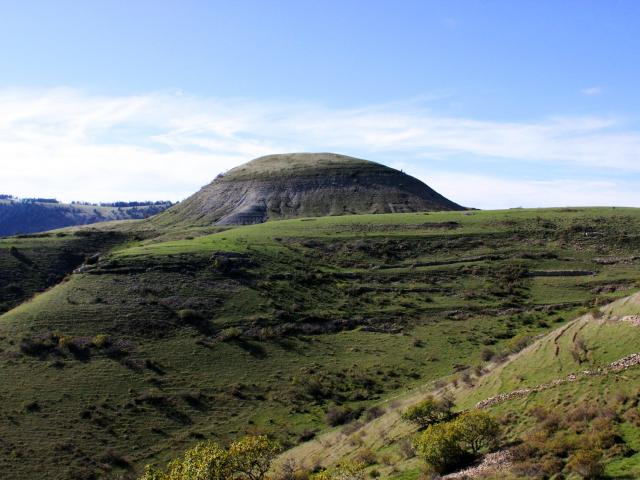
305, 185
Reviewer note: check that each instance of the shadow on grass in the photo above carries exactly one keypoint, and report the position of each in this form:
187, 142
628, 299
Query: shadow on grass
252, 348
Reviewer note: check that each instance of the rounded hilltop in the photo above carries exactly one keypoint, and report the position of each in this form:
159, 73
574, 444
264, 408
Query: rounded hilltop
305, 185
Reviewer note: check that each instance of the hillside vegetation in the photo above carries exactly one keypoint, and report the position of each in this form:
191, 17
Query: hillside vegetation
170, 336
572, 393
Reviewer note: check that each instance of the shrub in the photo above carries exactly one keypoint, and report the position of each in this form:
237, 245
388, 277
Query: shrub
115, 459
518, 343
39, 346
101, 341
366, 457
373, 412
439, 446
78, 347
487, 354
33, 406
250, 457
451, 444
586, 463
205, 461
189, 316
340, 415
476, 430
306, 435
230, 333
428, 412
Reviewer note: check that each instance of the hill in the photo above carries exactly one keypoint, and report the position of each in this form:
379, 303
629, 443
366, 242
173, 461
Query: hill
171, 336
39, 215
304, 185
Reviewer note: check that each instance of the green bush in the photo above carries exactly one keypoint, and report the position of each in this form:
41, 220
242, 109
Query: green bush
366, 457
439, 446
230, 333
429, 412
446, 445
340, 415
189, 315
586, 463
249, 458
205, 461
476, 430
101, 341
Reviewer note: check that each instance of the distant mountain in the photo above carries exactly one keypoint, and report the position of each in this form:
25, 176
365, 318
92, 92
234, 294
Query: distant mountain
33, 215
305, 185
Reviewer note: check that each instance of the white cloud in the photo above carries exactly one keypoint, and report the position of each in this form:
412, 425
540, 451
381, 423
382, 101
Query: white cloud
73, 145
490, 192
592, 91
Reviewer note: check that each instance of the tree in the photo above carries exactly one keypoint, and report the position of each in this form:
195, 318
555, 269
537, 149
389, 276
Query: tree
476, 430
205, 461
429, 411
248, 458
439, 446
450, 444
252, 456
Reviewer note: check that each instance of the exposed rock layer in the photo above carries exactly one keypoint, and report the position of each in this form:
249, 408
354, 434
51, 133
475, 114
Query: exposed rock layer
305, 185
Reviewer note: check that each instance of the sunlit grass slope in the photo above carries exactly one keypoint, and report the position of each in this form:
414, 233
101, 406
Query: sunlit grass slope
264, 328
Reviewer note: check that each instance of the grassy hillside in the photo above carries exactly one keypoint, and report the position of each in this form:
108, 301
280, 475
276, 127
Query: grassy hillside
284, 327
557, 418
591, 341
32, 263
20, 217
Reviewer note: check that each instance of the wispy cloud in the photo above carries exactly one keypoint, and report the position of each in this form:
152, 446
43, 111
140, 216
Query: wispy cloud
592, 91
74, 145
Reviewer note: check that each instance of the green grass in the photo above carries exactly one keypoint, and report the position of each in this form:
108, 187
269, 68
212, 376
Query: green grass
407, 475
628, 467
606, 338
368, 306
393, 225
599, 341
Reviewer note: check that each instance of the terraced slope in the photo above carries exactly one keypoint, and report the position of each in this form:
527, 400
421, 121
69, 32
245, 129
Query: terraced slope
586, 344
267, 328
304, 185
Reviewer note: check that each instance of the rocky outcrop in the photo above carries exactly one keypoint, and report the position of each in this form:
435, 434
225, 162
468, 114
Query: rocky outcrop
304, 185
494, 465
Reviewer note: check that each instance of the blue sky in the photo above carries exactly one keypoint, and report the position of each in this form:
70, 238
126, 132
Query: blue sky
494, 103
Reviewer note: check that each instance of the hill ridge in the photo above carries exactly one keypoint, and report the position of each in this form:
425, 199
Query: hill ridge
293, 185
